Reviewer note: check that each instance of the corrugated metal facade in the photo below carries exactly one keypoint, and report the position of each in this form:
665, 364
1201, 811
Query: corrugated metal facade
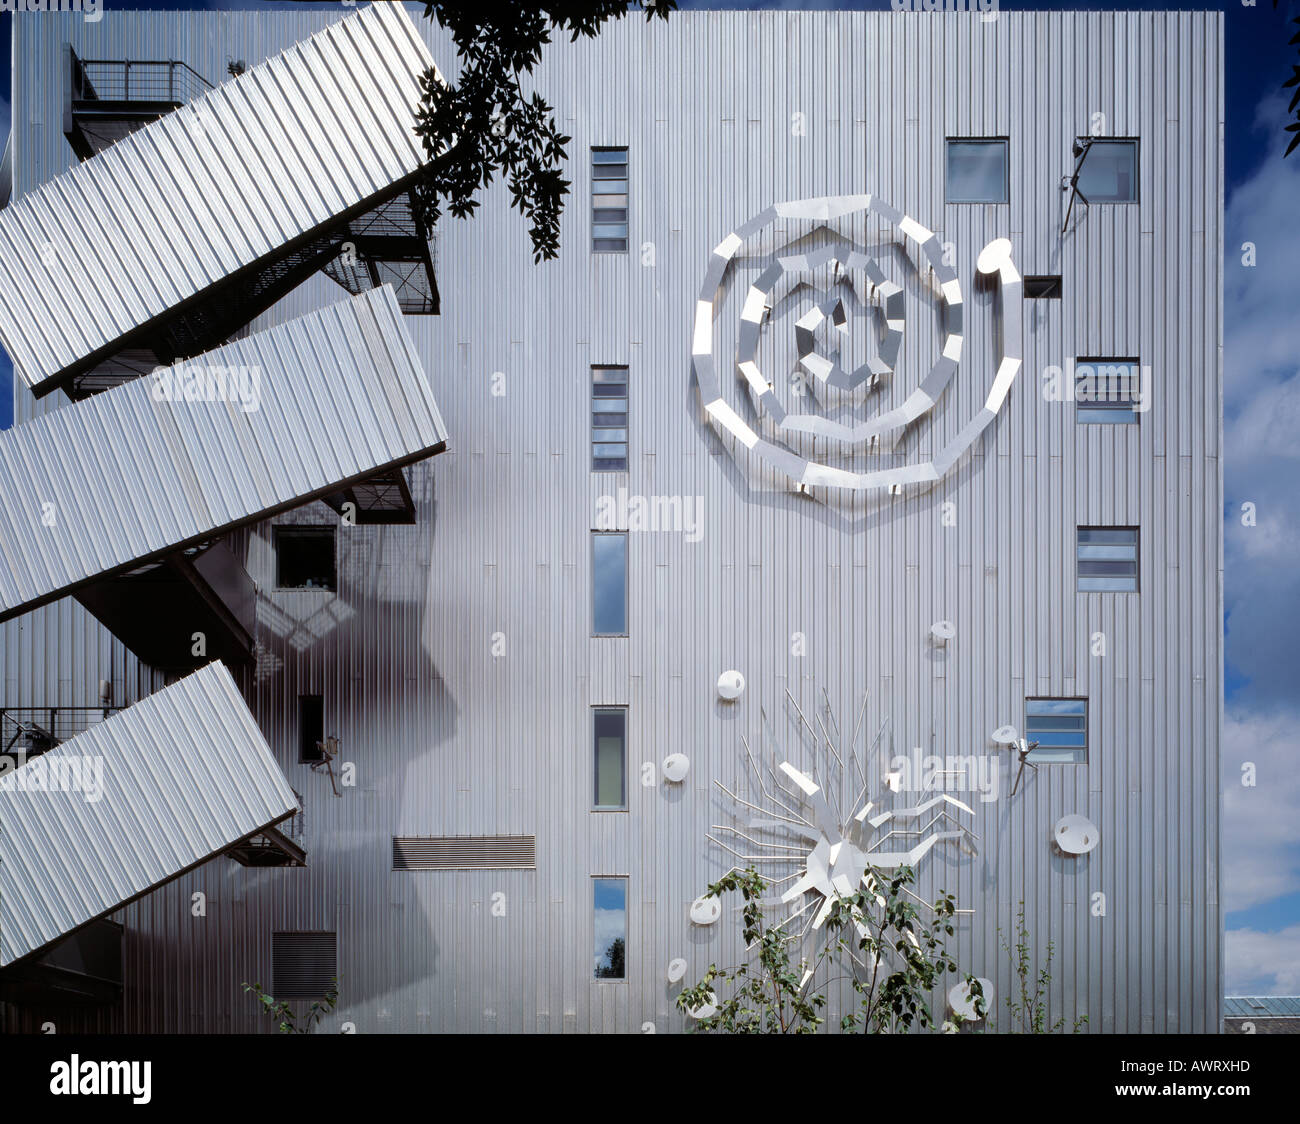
152, 222
130, 804
455, 660
299, 409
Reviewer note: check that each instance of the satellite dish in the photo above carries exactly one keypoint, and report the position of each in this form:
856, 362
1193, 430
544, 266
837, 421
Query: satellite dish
731, 685
706, 1009
1075, 834
994, 256
1006, 735
676, 969
676, 766
943, 631
706, 910
961, 1002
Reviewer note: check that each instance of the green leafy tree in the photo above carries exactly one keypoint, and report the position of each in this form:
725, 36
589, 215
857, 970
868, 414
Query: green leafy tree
1293, 83
289, 1021
614, 970
485, 125
1027, 1009
900, 957
765, 996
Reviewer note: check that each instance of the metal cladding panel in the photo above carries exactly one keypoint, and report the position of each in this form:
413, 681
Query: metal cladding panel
185, 774
455, 657
219, 184
124, 477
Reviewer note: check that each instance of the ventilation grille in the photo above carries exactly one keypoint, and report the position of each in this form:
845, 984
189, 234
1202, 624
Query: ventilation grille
464, 852
303, 965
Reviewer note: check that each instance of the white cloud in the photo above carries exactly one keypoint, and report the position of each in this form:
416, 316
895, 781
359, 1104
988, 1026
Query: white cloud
1263, 963
1260, 830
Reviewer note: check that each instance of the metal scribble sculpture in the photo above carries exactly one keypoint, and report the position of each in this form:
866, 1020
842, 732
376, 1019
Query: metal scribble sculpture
768, 441
835, 846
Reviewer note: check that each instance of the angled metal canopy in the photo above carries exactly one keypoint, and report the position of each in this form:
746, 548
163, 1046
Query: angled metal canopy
181, 232
266, 423
130, 804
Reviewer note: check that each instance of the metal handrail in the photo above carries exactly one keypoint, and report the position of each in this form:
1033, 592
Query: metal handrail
111, 80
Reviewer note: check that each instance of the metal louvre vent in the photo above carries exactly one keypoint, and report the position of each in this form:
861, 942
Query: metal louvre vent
464, 852
303, 965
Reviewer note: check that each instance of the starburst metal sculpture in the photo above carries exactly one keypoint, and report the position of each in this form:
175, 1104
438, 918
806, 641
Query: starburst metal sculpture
834, 852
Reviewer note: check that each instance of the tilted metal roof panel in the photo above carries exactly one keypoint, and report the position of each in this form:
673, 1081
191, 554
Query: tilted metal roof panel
340, 394
130, 804
221, 184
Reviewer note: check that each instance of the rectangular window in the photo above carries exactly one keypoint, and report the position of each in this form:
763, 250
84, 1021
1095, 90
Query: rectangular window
609, 200
1107, 391
304, 558
311, 727
1043, 287
303, 965
976, 170
610, 743
1060, 727
609, 899
609, 419
1108, 172
1107, 559
609, 583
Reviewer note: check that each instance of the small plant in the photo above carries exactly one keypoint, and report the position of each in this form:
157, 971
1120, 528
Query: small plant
884, 927
770, 995
290, 1023
766, 998
1027, 1010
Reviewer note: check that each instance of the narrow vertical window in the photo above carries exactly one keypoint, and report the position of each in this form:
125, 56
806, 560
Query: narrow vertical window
609, 896
609, 200
311, 727
609, 583
1107, 559
610, 745
609, 419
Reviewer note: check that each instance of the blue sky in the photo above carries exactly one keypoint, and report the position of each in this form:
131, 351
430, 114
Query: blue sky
1261, 837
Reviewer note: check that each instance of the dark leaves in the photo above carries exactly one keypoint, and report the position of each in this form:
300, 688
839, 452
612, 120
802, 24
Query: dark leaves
483, 125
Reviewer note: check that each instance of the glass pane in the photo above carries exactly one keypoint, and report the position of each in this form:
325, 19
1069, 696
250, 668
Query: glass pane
1055, 755
304, 557
611, 758
1056, 706
1113, 415
1107, 585
609, 155
1108, 534
1109, 172
610, 905
1107, 555
977, 171
611, 245
609, 230
609, 584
